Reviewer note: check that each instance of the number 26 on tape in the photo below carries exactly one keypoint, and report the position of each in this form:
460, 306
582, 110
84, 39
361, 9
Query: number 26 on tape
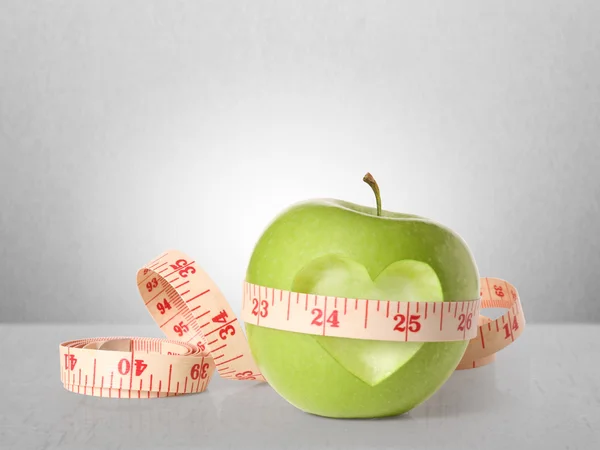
465, 321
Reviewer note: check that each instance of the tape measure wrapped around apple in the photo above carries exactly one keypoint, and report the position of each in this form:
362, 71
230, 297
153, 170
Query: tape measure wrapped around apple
350, 312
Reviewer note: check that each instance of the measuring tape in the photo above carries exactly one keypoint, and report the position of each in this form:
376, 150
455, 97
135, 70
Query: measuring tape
203, 335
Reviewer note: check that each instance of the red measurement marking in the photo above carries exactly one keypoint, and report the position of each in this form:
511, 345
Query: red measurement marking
417, 307
94, 377
159, 388
178, 269
489, 292
159, 266
219, 348
85, 387
218, 357
131, 373
366, 312
194, 336
455, 309
206, 324
120, 387
306, 305
489, 326
140, 390
345, 305
408, 319
169, 385
449, 306
194, 309
218, 328
426, 305
497, 327
441, 317
297, 298
111, 384
168, 320
387, 309
102, 386
150, 274
161, 271
229, 360
172, 281
159, 293
335, 303
482, 339
462, 308
324, 313
355, 304
434, 308
145, 278
185, 293
378, 305
199, 295
288, 310
155, 261
510, 327
397, 307
177, 389
212, 342
185, 385
281, 296
150, 389
182, 284
203, 314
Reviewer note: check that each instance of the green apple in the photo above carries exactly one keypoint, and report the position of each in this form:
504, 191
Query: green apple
336, 248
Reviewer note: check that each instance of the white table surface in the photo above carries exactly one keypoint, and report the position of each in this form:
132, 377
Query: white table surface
544, 391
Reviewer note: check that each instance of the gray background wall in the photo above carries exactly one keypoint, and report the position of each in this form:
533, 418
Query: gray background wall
127, 128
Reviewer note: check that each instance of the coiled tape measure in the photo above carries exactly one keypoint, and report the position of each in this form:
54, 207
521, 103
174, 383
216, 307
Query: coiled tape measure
203, 334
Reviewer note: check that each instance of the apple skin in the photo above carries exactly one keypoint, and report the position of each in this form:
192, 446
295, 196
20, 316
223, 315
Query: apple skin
295, 364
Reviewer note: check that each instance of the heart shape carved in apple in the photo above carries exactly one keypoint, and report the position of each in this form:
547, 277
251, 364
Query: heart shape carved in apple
405, 280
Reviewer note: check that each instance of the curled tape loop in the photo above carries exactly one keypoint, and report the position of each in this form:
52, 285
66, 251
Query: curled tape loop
204, 335
134, 367
494, 335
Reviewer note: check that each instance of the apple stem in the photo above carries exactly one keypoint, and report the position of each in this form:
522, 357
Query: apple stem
368, 178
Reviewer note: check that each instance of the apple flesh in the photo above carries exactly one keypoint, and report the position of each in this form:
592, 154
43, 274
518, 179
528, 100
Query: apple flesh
336, 248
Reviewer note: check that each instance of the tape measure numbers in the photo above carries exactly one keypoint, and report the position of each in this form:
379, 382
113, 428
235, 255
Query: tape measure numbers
203, 335
132, 367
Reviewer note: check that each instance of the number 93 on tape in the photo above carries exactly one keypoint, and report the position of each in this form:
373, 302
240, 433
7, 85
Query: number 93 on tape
202, 334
